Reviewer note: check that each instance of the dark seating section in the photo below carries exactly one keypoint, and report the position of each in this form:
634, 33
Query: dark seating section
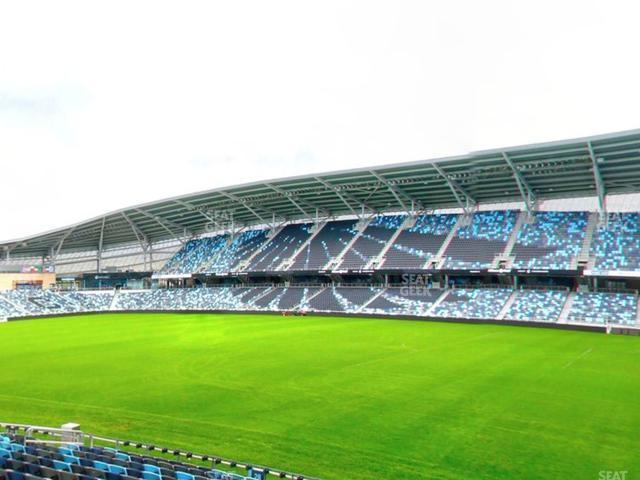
280, 248
326, 245
371, 242
341, 299
283, 298
416, 245
73, 462
476, 245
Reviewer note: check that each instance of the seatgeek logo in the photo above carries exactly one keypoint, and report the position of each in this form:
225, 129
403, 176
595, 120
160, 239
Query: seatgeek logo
415, 284
612, 475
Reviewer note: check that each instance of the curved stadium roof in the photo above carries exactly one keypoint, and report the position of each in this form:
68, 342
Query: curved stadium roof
589, 166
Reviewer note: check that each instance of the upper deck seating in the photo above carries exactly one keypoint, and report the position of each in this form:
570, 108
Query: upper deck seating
326, 245
537, 305
473, 303
371, 241
616, 244
551, 241
601, 307
414, 246
195, 255
476, 245
240, 248
280, 247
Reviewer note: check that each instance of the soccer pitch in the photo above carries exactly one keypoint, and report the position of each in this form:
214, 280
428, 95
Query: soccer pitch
334, 397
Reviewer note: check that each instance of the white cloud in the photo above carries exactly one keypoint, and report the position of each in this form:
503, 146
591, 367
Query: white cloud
107, 105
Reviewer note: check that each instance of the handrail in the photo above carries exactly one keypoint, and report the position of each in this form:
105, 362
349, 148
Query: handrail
555, 288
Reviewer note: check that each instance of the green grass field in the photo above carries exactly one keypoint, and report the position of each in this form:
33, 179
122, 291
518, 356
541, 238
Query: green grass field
338, 398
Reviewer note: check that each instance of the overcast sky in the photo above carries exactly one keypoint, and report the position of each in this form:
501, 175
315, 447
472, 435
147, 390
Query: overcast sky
105, 105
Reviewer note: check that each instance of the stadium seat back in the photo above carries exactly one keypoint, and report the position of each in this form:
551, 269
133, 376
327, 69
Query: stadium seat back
151, 468
119, 469
63, 466
184, 476
101, 465
49, 472
13, 475
151, 476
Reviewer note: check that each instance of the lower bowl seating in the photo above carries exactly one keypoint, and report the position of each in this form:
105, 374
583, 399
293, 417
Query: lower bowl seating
473, 303
73, 462
601, 308
537, 306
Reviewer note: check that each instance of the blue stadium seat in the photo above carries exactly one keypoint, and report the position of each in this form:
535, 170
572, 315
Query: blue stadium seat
146, 475
184, 476
151, 468
101, 465
117, 469
58, 465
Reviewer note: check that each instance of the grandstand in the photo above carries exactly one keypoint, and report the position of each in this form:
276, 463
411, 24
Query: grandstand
498, 235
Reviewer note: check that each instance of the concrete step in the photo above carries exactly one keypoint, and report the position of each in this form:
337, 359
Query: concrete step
507, 305
566, 308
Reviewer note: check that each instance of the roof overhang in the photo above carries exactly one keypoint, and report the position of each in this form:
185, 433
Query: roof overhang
561, 169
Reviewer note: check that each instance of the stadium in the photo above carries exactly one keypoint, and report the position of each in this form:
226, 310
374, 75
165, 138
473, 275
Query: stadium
362, 324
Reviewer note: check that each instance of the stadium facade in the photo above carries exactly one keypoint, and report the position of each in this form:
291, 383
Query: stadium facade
546, 233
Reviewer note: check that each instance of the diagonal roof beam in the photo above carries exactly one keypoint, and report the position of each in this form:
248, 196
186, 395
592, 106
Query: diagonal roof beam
65, 236
100, 240
140, 236
202, 212
164, 223
340, 195
528, 197
600, 189
397, 193
193, 208
456, 189
100, 244
245, 204
297, 203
